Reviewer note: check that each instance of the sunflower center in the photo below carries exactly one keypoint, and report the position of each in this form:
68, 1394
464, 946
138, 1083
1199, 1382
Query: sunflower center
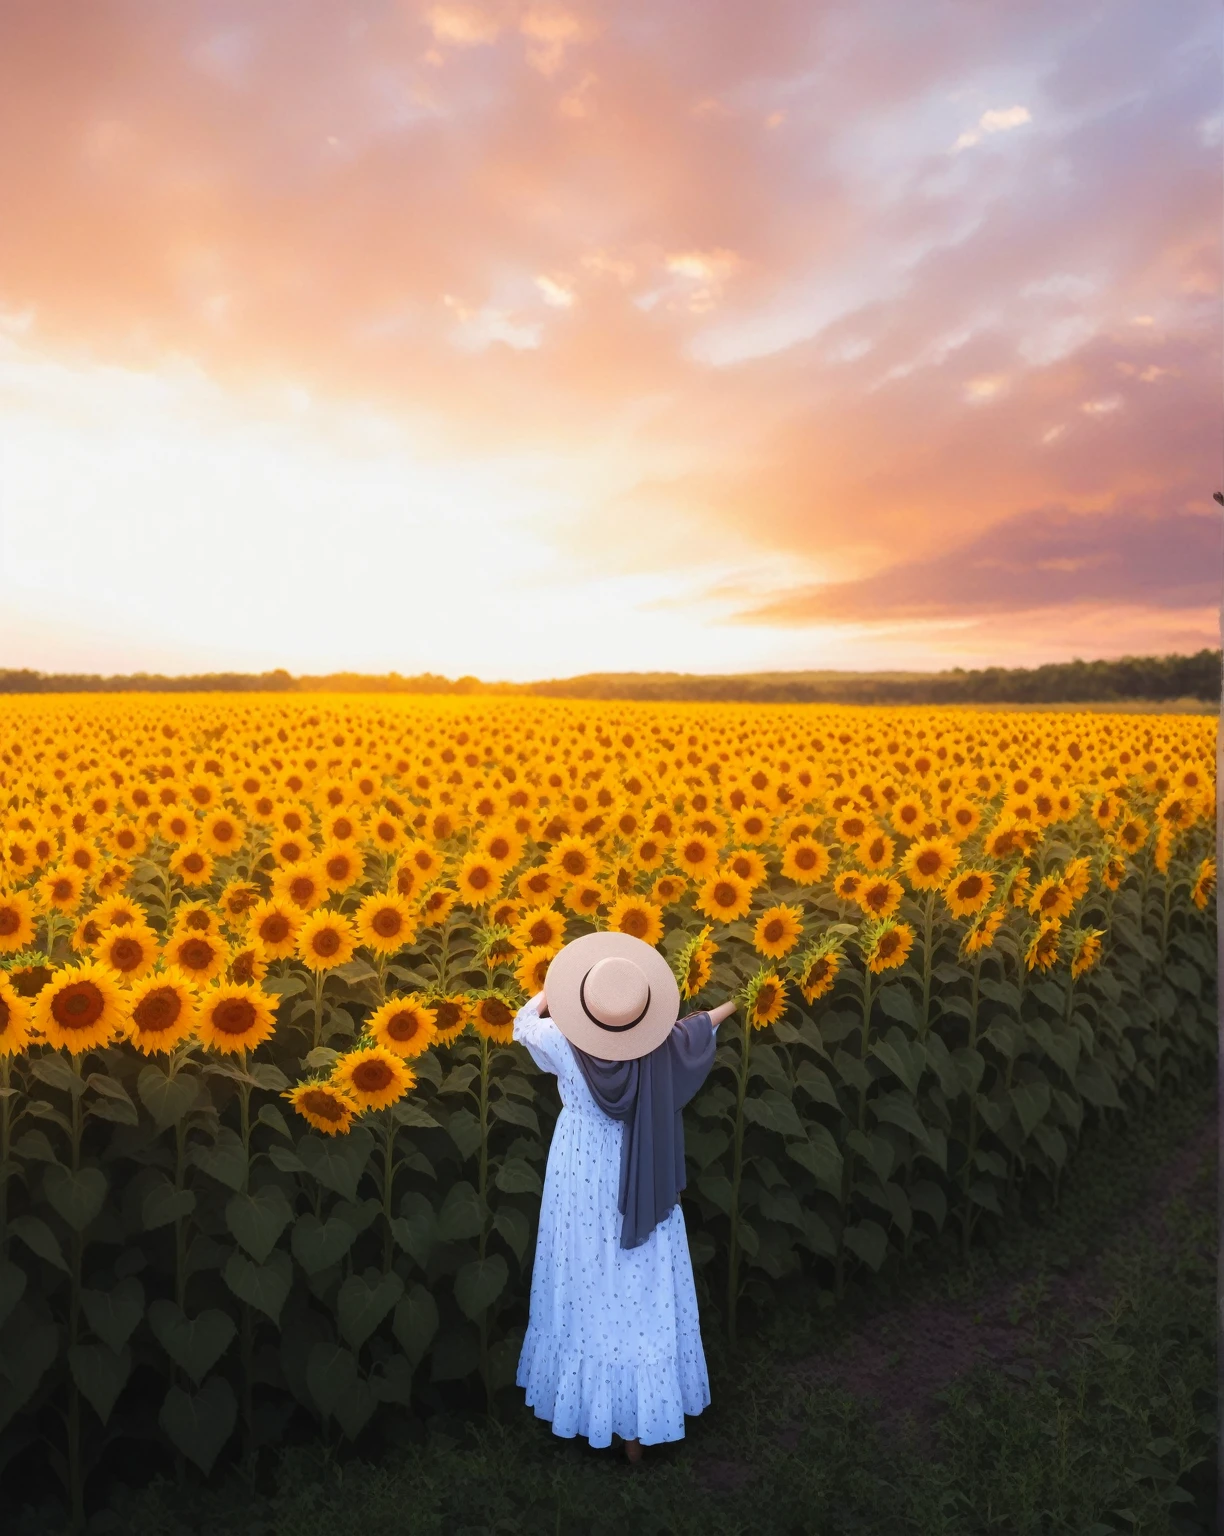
805, 858
372, 1076
888, 944
157, 1010
403, 1025
766, 997
196, 954
574, 862
969, 887
499, 849
495, 1012
125, 837
774, 929
234, 1016
193, 863
10, 921
82, 858
322, 1104
479, 877
223, 831
30, 981
725, 894
447, 1014
326, 942
342, 827
274, 929
6, 1014
635, 923
62, 890
126, 954
79, 1005
301, 889
929, 861
387, 922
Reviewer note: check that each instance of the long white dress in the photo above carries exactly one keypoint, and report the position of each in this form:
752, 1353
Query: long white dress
613, 1344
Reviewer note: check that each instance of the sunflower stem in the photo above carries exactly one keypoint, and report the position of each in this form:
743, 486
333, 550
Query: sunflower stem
483, 1181
76, 1474
927, 957
971, 1135
317, 999
737, 1166
390, 1127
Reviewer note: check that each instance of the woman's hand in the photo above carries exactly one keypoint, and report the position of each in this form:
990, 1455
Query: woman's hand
723, 1011
540, 1000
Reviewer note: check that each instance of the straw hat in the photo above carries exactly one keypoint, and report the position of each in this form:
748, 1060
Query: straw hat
612, 995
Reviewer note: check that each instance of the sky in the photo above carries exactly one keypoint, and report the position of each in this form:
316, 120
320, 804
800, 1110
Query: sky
526, 339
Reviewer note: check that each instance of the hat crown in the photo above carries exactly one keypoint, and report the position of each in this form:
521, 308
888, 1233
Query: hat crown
615, 991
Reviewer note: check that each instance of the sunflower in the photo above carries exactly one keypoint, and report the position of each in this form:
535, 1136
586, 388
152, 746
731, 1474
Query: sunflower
340, 865
196, 917
62, 889
1076, 877
880, 897
1105, 811
538, 884
853, 826
929, 861
246, 962
877, 850
1204, 884
126, 838
797, 826
235, 1016
451, 1016
494, 1017
79, 854
848, 884
340, 826
777, 931
293, 818
765, 1000
177, 827
638, 917
426, 860
696, 853
1177, 811
1085, 950
1042, 951
81, 1008
818, 969
301, 885
164, 1008
405, 1025
129, 951
237, 899
649, 852
748, 864
574, 858
751, 826
326, 940
15, 1015
1132, 834
980, 934
385, 924
887, 945
1051, 899
963, 818
1113, 872
18, 921
273, 925
221, 833
193, 865
437, 905
505, 913
908, 814
479, 879
372, 1076
805, 861
532, 968
668, 889
540, 928
968, 892
200, 956
724, 897
694, 963
502, 844
86, 933
324, 1106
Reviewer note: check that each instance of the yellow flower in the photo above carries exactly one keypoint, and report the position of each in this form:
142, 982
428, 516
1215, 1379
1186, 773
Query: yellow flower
1051, 898
222, 833
326, 940
437, 905
538, 884
777, 931
879, 897
237, 900
372, 1076
963, 818
929, 861
324, 1106
1113, 872
748, 864
877, 851
1204, 884
341, 865
1042, 952
766, 999
980, 934
888, 945
385, 924
532, 968
493, 1017
81, 1007
235, 1017
968, 892
451, 1016
649, 852
1176, 811
848, 884
62, 888
273, 925
540, 928
479, 879
751, 826
15, 1018
193, 864
502, 844
694, 963
129, 951
724, 897
405, 1025
574, 858
668, 889
302, 885
638, 917
1132, 834
18, 922
805, 861
164, 1007
1085, 949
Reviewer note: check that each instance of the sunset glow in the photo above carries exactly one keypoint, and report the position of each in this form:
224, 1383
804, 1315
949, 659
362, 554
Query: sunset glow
528, 339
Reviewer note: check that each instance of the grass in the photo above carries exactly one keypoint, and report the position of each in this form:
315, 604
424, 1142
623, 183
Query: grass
1100, 1419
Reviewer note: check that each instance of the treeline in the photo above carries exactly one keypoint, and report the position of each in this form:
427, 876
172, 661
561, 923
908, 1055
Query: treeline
1069, 682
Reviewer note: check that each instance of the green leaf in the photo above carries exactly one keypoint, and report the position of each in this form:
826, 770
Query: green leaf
774, 1111
108, 1087
271, 1116
12, 1287
460, 1078
464, 1131
982, 1192
319, 1244
408, 1112
1097, 1086
356, 971
77, 1197
460, 1215
869, 1241
926, 1196
1062, 1046
514, 1113
100, 1374
415, 1228
225, 1159
286, 1161
716, 1187
163, 1204
337, 1163
257, 1219
851, 1070
35, 1146
355, 1408
113, 1315
415, 1323
200, 1423
56, 1073
1004, 992
970, 1065
816, 1085
516, 1176
166, 1098
904, 1058
37, 1235
265, 1075
480, 1283
897, 1002
900, 1110
1031, 1101
194, 1344
1052, 1142
263, 1286
28, 1354
820, 1155
513, 1225
330, 1371
362, 1304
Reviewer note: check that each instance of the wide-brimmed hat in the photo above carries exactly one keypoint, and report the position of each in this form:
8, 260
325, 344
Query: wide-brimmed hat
612, 995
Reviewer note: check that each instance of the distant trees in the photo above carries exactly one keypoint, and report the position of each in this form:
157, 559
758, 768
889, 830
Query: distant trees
1064, 682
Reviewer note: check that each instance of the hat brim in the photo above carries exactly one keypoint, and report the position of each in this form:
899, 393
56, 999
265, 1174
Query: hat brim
564, 979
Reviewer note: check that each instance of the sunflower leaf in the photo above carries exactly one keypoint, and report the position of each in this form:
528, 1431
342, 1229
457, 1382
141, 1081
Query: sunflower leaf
200, 1423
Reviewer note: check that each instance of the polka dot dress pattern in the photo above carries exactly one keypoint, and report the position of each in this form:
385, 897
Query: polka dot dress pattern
613, 1344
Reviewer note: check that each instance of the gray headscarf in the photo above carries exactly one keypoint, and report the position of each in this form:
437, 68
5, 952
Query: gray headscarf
648, 1095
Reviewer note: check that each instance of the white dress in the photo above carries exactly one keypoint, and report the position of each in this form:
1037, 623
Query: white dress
613, 1345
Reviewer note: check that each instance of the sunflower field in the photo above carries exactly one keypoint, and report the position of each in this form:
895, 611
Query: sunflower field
270, 1160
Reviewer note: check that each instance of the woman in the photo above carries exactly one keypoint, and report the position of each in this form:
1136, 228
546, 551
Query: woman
613, 1343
